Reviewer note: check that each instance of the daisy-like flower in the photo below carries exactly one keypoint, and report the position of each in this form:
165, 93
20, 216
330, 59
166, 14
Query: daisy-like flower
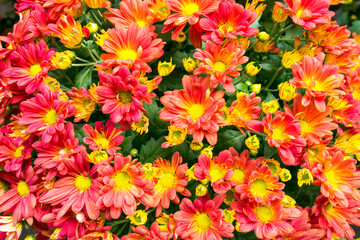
9, 230
346, 109
315, 125
84, 102
159, 10
187, 11
20, 199
30, 65
98, 3
195, 108
217, 170
338, 178
221, 62
171, 179
142, 126
176, 136
133, 47
243, 109
337, 219
284, 132
131, 11
202, 219
122, 96
77, 191
124, 185
230, 21
308, 13
262, 186
143, 233
318, 80
44, 114
50, 156
266, 221
349, 141
103, 137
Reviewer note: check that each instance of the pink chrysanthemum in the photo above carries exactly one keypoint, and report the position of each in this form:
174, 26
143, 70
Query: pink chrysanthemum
284, 132
30, 65
231, 21
77, 191
195, 108
103, 137
217, 170
122, 97
308, 13
20, 200
202, 219
45, 113
221, 62
124, 184
143, 233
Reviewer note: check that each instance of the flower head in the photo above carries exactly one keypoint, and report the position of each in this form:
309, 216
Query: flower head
177, 135
84, 102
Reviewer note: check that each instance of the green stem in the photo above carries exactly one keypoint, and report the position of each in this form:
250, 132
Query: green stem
252, 45
80, 59
119, 222
283, 30
274, 77
53, 41
288, 40
84, 64
89, 52
95, 53
273, 30
272, 90
102, 18
150, 211
241, 79
96, 19
67, 77
64, 88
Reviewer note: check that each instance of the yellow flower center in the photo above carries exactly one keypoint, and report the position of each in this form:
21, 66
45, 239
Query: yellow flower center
177, 135
103, 142
196, 111
331, 178
22, 188
82, 183
86, 103
278, 134
190, 9
128, 54
18, 152
220, 66
98, 156
124, 97
141, 24
272, 167
122, 180
298, 14
35, 69
203, 221
50, 117
304, 126
216, 174
225, 28
329, 208
167, 180
259, 187
239, 175
264, 213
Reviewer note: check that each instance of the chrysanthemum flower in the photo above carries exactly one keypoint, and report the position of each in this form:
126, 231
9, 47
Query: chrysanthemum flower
98, 3
77, 191
143, 233
221, 62
337, 219
84, 102
319, 80
273, 165
230, 21
304, 176
171, 179
315, 125
45, 113
133, 47
217, 170
308, 13
349, 141
142, 126
159, 10
50, 156
30, 65
317, 153
202, 219
131, 11
346, 109
124, 184
20, 200
187, 11
338, 178
195, 108
167, 223
177, 135
284, 132
266, 221
262, 186
103, 137
122, 97
9, 230
243, 109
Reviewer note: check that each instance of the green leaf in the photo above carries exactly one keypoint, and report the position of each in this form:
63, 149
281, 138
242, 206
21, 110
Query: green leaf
79, 133
152, 150
269, 151
84, 78
241, 87
355, 26
230, 138
127, 145
269, 97
152, 110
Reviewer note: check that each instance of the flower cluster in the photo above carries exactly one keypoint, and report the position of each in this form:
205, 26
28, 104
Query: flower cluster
179, 119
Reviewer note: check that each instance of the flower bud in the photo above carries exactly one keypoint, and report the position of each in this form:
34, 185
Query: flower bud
287, 91
165, 68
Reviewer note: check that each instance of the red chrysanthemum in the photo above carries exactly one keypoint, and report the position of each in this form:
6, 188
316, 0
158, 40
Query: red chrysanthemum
284, 132
124, 184
143, 233
231, 21
103, 137
195, 108
221, 62
202, 219
45, 113
30, 65
122, 96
